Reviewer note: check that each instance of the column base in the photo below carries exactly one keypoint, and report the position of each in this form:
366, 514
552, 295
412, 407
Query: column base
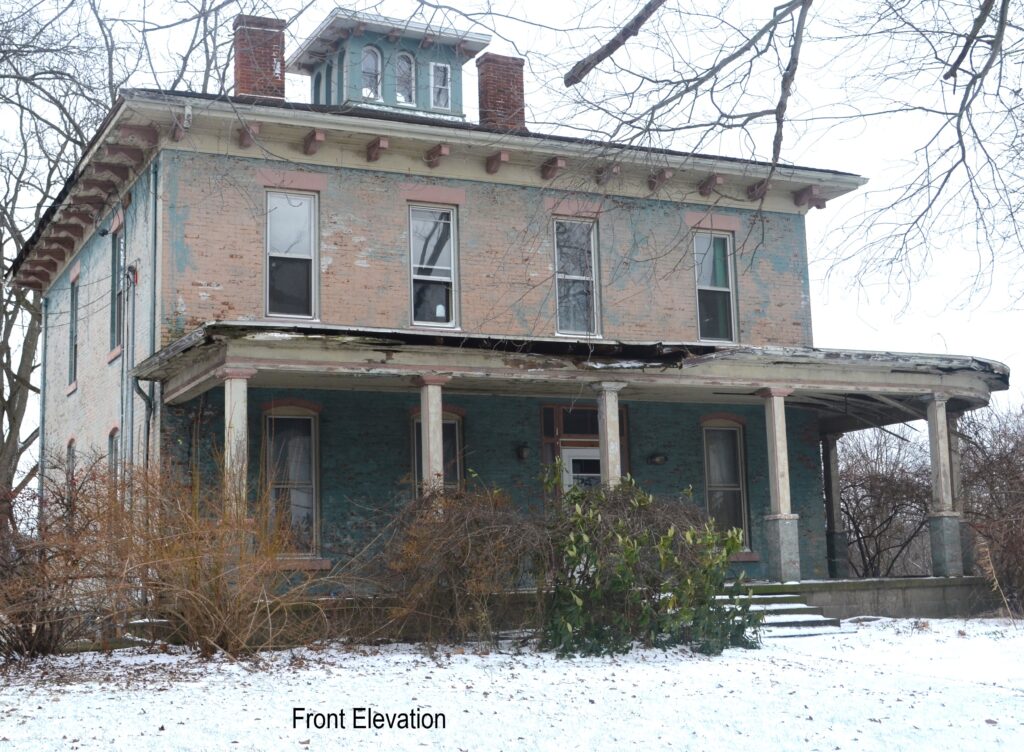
944, 531
783, 547
968, 551
838, 559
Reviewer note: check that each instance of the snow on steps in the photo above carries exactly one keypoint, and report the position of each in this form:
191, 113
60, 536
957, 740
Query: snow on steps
787, 615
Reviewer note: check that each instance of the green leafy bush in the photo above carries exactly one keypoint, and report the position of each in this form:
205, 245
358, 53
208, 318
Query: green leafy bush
629, 568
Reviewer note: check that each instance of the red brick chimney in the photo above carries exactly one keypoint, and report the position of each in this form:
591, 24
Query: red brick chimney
259, 57
502, 104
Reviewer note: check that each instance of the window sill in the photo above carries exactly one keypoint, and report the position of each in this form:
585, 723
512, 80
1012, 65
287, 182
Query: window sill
745, 556
303, 564
114, 354
72, 388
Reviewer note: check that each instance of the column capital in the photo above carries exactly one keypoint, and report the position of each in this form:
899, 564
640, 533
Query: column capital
234, 372
773, 391
609, 386
431, 379
938, 397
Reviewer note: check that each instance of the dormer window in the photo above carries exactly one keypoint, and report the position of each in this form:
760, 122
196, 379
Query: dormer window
440, 86
405, 79
371, 73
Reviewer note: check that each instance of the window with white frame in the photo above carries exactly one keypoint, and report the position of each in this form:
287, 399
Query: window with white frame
715, 303
370, 67
291, 254
440, 86
433, 257
291, 469
73, 332
117, 258
405, 79
574, 276
451, 441
724, 476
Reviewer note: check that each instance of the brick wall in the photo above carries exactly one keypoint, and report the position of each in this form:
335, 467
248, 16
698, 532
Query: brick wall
259, 56
213, 256
501, 99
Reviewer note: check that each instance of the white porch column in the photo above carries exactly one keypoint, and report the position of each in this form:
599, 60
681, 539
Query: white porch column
608, 430
236, 437
781, 526
432, 430
943, 522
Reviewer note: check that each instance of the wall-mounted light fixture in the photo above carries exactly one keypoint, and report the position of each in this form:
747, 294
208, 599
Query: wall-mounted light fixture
658, 458
523, 451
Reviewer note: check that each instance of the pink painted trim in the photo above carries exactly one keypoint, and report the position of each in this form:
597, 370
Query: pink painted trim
114, 354
711, 221
572, 207
313, 407
72, 387
76, 272
117, 223
296, 179
434, 194
731, 417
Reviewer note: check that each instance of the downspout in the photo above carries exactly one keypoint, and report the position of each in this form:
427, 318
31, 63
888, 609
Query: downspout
148, 399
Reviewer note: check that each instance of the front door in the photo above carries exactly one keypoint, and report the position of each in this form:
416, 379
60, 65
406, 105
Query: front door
581, 466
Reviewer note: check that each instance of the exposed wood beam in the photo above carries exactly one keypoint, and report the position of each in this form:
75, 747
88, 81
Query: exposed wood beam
552, 167
434, 156
119, 171
46, 265
606, 172
84, 217
131, 153
757, 191
95, 202
311, 143
710, 184
247, 134
55, 253
427, 42
657, 179
375, 147
495, 161
394, 34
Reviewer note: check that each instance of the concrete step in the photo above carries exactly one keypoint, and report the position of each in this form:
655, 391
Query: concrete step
803, 621
769, 598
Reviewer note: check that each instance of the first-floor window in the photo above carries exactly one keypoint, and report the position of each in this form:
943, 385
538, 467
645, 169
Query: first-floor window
291, 472
724, 477
291, 253
574, 276
715, 305
451, 440
432, 237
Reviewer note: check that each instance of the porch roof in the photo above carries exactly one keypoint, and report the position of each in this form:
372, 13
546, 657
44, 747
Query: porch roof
849, 389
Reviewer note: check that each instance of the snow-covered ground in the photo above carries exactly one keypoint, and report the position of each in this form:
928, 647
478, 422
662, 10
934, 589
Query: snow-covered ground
887, 684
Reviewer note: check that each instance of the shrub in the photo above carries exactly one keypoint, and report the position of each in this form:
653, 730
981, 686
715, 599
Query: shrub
631, 568
452, 566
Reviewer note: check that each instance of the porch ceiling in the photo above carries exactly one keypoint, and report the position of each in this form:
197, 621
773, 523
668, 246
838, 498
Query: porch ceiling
849, 390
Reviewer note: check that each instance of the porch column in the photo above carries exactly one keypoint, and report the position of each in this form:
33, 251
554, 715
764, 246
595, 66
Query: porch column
608, 430
432, 430
967, 534
781, 526
943, 522
835, 530
236, 438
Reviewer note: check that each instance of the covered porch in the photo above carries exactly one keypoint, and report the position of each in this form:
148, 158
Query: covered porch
367, 419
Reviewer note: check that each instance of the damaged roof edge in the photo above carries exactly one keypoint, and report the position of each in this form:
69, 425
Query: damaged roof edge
595, 354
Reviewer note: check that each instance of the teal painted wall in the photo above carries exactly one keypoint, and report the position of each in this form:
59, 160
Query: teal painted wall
366, 456
347, 73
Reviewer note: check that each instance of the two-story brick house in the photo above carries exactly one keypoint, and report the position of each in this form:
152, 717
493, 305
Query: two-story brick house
368, 293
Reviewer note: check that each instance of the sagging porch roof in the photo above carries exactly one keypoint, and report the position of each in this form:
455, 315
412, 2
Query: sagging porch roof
849, 389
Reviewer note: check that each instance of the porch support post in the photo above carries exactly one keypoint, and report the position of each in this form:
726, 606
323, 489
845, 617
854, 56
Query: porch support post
835, 531
432, 430
236, 438
781, 526
943, 522
967, 534
608, 430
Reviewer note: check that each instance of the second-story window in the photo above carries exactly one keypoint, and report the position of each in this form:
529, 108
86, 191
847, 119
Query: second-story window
117, 248
291, 254
715, 304
574, 276
431, 234
405, 79
329, 85
73, 333
440, 86
371, 73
